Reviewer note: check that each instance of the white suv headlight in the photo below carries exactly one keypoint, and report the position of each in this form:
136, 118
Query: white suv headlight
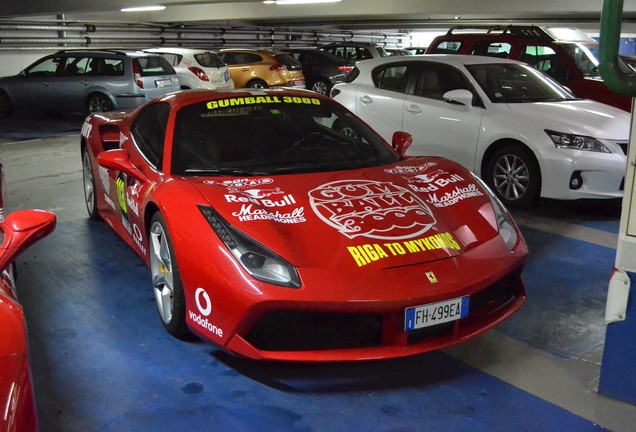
576, 142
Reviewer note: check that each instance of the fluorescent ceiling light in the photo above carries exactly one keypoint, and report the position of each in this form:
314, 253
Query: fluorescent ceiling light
288, 2
142, 8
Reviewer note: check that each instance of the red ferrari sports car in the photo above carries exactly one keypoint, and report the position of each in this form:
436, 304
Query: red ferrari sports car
17, 232
275, 236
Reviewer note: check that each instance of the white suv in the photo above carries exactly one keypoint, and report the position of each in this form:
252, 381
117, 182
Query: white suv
197, 68
521, 131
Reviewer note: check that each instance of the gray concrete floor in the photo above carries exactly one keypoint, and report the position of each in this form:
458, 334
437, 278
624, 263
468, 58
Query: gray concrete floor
46, 173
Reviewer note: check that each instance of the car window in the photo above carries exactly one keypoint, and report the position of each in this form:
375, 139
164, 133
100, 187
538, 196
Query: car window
272, 135
517, 83
393, 77
584, 56
492, 49
241, 58
290, 62
101, 66
209, 59
76, 66
435, 79
149, 131
153, 66
173, 59
46, 67
447, 47
363, 54
546, 60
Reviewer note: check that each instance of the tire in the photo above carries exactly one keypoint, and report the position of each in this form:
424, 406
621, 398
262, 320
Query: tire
344, 128
166, 279
321, 86
89, 186
514, 175
98, 102
257, 84
6, 107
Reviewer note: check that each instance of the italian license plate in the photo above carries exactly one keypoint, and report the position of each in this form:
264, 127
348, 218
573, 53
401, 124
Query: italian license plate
418, 317
163, 83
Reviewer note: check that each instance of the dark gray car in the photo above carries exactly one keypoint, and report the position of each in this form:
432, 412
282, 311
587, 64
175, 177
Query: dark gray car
322, 70
88, 81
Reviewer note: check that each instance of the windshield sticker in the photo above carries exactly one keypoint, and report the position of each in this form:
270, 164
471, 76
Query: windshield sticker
368, 253
240, 184
380, 210
259, 100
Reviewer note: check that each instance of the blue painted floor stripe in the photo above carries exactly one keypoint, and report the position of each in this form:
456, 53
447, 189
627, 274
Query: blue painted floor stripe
566, 281
102, 362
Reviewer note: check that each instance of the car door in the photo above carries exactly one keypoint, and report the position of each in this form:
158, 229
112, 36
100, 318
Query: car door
69, 90
440, 127
381, 103
146, 148
32, 88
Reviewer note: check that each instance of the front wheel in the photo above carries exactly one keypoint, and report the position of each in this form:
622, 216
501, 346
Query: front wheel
90, 196
166, 279
514, 175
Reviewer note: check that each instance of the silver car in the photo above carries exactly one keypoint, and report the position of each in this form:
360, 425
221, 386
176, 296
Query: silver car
88, 81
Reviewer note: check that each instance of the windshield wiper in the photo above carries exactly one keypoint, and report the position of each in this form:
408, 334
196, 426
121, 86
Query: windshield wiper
222, 172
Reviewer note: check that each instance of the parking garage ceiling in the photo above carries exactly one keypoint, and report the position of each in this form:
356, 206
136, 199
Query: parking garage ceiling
403, 14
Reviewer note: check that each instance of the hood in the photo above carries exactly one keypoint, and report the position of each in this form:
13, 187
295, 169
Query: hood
582, 117
393, 215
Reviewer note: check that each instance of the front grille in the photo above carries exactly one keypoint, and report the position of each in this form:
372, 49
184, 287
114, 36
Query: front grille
304, 331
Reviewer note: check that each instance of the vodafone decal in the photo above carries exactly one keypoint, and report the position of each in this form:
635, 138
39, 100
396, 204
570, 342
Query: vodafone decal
204, 305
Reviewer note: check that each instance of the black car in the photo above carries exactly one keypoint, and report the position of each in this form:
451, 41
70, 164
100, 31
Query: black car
321, 69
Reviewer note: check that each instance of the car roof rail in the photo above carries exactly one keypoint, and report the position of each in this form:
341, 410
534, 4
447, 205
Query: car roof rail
531, 31
92, 50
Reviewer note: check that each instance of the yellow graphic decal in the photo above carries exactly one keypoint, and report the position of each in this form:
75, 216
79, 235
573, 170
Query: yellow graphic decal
369, 253
121, 194
256, 100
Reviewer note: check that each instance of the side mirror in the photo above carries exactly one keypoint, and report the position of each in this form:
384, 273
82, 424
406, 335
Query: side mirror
21, 230
119, 160
459, 96
401, 141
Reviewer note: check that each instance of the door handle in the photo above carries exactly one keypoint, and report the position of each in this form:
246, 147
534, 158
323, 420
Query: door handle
413, 109
84, 83
366, 100
245, 68
46, 84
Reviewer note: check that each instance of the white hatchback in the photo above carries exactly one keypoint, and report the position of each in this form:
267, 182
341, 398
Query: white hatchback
197, 68
522, 132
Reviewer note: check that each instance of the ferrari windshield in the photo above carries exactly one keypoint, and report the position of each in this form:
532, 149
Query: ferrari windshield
516, 83
272, 134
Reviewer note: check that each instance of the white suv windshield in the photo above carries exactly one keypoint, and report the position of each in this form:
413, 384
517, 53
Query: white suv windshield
584, 56
515, 83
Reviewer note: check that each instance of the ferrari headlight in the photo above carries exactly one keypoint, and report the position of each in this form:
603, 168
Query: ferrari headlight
576, 142
505, 225
255, 258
